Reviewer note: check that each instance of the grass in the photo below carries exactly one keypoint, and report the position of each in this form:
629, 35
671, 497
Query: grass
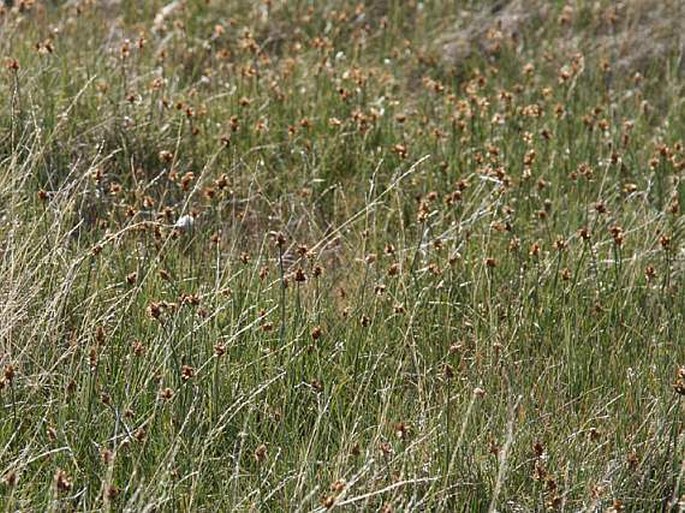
301, 256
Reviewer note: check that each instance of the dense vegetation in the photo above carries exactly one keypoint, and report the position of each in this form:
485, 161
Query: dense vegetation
382, 256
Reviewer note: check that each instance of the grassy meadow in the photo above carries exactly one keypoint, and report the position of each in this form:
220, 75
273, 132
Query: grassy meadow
300, 256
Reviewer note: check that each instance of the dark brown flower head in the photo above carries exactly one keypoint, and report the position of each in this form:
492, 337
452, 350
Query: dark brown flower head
12, 64
10, 479
514, 244
140, 434
394, 269
679, 384
387, 508
402, 431
106, 399
617, 234
279, 239
261, 453
633, 460
63, 483
401, 150
93, 358
338, 486
9, 374
189, 299
538, 449
186, 180
650, 273
154, 310
131, 278
300, 276
106, 455
111, 492
594, 434
166, 156
328, 502
187, 372
385, 448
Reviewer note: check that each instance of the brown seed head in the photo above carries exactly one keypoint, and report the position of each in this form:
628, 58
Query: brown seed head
62, 482
166, 156
154, 310
538, 449
261, 453
279, 239
300, 276
402, 431
560, 244
187, 372
106, 455
317, 385
10, 479
106, 399
219, 349
617, 234
12, 64
385, 448
387, 508
140, 434
679, 385
632, 460
650, 273
111, 492
9, 373
131, 278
